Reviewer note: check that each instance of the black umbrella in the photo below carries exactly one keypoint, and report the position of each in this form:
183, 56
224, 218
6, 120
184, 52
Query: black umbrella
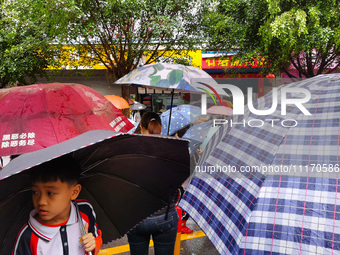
125, 177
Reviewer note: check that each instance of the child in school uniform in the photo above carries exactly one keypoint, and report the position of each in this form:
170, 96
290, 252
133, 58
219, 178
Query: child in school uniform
53, 226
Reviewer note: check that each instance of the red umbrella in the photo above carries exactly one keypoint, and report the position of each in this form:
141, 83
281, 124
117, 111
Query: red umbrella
37, 116
220, 110
227, 103
130, 101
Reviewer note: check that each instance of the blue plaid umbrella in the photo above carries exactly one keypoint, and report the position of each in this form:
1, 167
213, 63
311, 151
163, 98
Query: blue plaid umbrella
181, 116
273, 189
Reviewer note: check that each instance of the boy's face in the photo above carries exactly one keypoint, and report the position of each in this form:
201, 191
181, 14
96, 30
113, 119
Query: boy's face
52, 200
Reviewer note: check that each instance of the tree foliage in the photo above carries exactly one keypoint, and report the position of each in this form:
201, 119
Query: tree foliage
119, 33
299, 33
23, 50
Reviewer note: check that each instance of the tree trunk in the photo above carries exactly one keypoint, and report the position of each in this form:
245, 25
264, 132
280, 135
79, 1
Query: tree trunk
111, 77
126, 95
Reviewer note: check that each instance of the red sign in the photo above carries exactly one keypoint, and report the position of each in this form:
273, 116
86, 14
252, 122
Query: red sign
228, 76
227, 62
260, 78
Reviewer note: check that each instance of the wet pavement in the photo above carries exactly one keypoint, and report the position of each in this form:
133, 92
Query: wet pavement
192, 244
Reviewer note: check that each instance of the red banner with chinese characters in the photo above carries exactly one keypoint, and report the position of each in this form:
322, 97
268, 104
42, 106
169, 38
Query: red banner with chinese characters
260, 78
227, 62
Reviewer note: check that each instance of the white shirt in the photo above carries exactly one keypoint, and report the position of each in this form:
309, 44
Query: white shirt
54, 239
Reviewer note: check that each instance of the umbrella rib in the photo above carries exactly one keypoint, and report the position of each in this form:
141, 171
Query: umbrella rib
126, 181
86, 102
49, 118
88, 158
93, 198
126, 156
10, 197
16, 218
111, 176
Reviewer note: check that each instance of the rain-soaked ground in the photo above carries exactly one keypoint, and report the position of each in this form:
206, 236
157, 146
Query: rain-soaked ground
193, 244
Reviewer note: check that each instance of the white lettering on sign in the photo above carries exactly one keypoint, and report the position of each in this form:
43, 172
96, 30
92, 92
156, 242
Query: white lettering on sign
115, 122
18, 139
120, 126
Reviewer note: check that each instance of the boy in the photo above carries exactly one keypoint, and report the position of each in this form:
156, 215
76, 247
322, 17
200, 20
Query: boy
53, 226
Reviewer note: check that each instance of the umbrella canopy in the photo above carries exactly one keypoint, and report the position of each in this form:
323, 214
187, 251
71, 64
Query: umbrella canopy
172, 76
220, 110
125, 177
163, 75
136, 106
130, 101
37, 116
227, 103
208, 136
197, 133
118, 101
181, 116
273, 188
135, 126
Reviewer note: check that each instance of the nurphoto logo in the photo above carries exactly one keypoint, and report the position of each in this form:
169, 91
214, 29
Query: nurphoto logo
289, 97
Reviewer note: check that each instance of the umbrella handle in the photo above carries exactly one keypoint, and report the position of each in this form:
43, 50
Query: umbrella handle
172, 99
82, 228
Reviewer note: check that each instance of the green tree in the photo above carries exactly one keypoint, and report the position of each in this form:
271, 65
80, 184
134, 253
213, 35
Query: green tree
301, 33
23, 50
119, 34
